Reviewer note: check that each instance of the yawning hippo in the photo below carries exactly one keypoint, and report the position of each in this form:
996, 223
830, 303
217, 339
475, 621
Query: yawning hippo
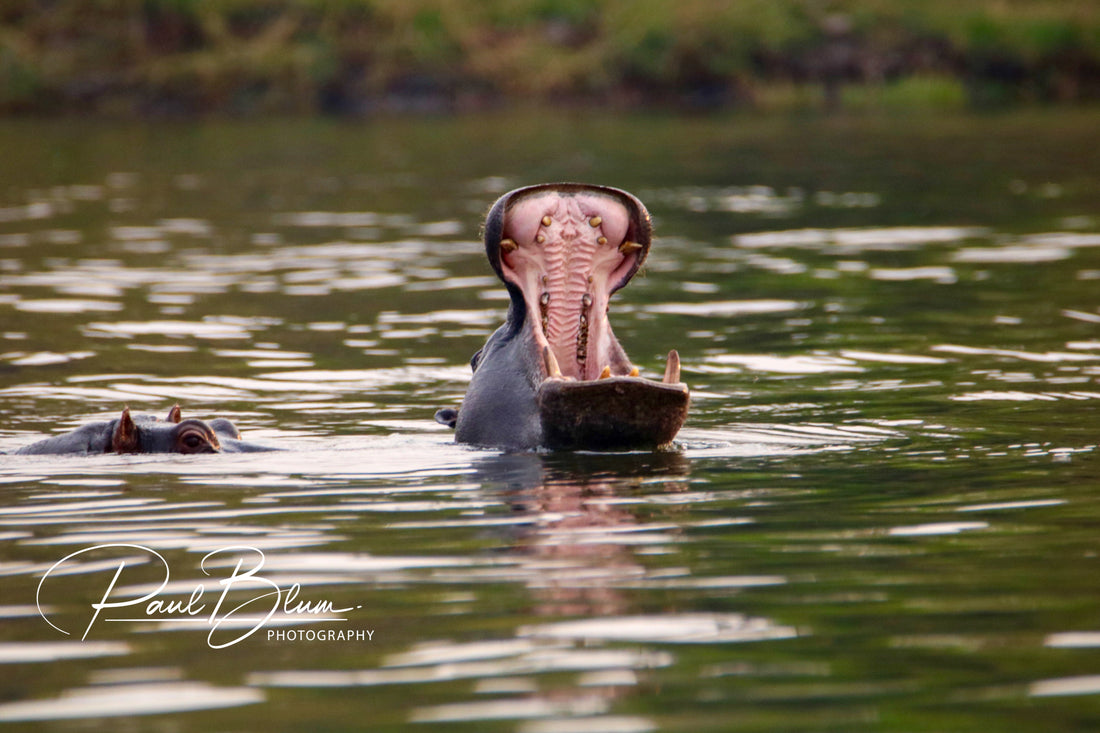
147, 434
553, 375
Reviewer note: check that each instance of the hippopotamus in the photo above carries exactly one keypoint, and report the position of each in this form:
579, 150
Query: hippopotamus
554, 376
147, 434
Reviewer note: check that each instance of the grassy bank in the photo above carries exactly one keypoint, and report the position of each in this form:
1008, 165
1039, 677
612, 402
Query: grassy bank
359, 56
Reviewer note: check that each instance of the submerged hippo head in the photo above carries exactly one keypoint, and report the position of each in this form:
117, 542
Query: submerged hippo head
146, 434
554, 374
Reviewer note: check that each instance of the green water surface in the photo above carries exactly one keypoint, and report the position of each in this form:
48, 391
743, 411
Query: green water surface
881, 515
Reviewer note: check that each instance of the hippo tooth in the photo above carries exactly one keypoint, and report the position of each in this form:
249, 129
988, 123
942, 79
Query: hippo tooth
634, 371
508, 245
601, 240
552, 367
546, 220
595, 221
672, 368
628, 247
540, 239
605, 373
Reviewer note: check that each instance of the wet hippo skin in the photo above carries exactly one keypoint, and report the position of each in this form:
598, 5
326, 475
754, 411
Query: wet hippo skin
147, 434
554, 375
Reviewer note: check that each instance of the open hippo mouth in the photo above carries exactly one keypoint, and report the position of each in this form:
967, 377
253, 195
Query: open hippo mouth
555, 375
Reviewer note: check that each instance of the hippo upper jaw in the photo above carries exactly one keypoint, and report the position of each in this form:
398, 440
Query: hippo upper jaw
562, 250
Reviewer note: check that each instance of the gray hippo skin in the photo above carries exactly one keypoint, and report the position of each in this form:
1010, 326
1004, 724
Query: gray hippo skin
554, 376
147, 434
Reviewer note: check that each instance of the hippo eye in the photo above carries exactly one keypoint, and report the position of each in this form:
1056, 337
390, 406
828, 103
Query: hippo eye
193, 441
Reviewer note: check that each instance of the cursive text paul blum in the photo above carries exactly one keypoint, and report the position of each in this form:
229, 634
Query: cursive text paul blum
230, 620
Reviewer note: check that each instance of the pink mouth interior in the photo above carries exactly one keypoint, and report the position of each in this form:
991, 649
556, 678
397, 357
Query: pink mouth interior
566, 262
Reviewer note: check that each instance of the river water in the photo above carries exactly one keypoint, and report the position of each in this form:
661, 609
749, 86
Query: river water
881, 515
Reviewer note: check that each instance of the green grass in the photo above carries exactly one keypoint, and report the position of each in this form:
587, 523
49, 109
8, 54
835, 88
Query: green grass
916, 92
353, 55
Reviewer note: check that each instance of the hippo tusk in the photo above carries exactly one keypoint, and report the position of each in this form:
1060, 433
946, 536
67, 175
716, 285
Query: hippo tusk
552, 367
672, 368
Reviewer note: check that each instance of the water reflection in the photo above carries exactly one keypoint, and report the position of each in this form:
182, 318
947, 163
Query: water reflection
572, 541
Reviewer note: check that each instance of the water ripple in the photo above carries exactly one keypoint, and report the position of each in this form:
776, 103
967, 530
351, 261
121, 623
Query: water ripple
670, 629
54, 651
132, 699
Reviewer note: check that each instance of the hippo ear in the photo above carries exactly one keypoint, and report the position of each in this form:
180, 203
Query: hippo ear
124, 439
174, 415
447, 416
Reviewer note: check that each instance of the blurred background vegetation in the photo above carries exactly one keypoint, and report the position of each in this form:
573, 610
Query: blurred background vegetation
182, 57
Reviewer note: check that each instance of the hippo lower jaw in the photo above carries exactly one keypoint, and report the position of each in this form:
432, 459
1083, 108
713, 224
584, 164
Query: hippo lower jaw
554, 375
612, 412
